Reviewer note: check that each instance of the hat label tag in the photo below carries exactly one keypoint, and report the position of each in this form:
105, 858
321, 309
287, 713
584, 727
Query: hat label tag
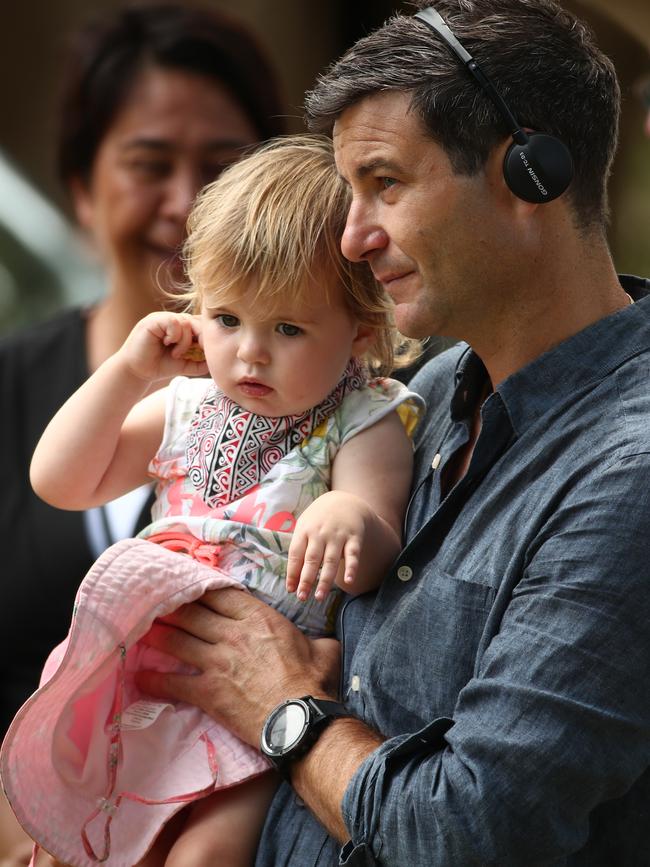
142, 713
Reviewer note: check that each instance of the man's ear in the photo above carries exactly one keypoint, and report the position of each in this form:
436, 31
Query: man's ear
364, 338
82, 202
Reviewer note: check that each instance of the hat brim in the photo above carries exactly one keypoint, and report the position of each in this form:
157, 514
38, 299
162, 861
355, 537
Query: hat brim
55, 758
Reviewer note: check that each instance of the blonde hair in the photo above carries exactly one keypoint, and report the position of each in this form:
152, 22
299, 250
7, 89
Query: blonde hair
278, 216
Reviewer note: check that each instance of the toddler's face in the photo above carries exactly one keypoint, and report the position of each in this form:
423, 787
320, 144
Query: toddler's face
285, 358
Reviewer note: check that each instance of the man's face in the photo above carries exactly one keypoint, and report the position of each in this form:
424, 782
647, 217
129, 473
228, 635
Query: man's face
434, 239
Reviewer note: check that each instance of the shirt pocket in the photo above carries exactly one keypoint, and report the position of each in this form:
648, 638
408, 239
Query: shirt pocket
432, 628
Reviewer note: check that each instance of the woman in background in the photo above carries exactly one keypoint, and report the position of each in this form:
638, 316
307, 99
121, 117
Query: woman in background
157, 101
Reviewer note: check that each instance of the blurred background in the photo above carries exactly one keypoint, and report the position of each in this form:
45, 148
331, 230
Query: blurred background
44, 263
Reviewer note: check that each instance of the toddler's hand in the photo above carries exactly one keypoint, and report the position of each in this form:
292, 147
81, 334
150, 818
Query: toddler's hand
329, 534
163, 345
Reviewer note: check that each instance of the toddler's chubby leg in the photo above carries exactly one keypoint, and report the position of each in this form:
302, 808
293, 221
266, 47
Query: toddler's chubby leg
157, 855
223, 830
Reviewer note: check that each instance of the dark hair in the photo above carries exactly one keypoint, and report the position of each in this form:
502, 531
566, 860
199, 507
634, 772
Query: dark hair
107, 54
541, 58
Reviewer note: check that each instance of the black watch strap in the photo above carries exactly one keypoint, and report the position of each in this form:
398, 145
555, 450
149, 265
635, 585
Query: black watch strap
320, 713
327, 708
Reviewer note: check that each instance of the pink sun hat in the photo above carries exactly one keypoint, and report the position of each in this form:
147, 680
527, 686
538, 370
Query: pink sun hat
91, 766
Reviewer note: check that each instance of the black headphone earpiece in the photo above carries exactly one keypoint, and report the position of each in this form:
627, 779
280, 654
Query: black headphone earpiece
537, 167
539, 170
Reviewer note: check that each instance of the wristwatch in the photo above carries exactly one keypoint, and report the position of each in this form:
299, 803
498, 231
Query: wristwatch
294, 726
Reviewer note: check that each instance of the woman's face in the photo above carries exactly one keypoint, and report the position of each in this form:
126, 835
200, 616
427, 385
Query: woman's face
173, 134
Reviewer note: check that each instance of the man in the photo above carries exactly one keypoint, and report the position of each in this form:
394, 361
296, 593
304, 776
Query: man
496, 685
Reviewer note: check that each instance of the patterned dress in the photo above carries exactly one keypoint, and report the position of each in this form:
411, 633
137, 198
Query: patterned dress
253, 531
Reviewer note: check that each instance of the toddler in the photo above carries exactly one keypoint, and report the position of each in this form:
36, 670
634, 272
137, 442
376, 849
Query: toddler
282, 458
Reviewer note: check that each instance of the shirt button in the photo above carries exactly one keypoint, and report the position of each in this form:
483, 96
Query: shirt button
355, 683
404, 573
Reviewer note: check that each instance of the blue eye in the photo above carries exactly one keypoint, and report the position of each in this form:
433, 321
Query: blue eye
387, 183
227, 320
289, 330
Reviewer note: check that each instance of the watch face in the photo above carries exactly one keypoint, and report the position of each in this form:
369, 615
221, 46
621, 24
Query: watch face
286, 727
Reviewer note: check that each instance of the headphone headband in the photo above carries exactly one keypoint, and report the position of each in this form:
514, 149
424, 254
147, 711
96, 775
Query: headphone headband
438, 24
537, 167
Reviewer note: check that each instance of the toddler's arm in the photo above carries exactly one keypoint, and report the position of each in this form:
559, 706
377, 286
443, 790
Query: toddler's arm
99, 444
353, 532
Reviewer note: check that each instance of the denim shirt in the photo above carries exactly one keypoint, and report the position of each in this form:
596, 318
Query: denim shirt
506, 657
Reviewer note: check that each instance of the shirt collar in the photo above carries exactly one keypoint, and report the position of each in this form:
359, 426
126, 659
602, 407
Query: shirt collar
471, 379
576, 364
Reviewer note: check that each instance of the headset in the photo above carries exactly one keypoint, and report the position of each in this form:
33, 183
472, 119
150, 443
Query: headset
537, 167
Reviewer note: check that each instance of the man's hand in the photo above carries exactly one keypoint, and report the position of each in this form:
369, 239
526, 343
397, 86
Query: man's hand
250, 658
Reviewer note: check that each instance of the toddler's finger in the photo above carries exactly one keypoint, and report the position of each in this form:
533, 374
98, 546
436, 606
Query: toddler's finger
295, 561
312, 561
329, 570
351, 554
171, 333
183, 338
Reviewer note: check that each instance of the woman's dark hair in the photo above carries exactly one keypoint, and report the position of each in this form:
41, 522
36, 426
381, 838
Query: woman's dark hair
107, 54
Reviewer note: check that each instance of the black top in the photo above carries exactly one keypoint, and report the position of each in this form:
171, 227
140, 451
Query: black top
45, 551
